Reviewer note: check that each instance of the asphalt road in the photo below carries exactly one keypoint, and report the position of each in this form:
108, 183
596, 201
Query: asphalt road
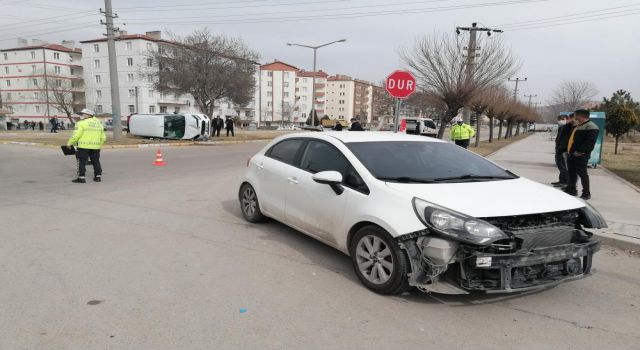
160, 258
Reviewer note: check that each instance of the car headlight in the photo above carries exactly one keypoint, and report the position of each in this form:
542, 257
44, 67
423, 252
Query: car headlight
456, 225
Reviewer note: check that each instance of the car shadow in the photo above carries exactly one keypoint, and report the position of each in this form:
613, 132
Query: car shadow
330, 259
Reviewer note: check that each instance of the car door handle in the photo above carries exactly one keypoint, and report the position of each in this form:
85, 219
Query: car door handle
293, 180
260, 166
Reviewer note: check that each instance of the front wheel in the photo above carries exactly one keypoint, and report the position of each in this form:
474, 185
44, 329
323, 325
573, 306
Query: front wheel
249, 204
378, 261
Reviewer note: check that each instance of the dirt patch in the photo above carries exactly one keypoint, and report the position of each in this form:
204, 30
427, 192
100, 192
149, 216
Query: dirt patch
626, 163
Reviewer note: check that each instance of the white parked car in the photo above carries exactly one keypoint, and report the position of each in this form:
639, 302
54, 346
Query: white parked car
420, 212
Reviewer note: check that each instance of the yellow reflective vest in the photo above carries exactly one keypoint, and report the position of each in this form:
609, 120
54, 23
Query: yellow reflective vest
461, 132
88, 134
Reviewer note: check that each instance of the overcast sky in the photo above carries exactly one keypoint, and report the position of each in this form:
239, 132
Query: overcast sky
576, 40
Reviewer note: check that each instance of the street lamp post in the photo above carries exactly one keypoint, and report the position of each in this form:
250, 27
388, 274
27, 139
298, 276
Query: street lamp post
313, 88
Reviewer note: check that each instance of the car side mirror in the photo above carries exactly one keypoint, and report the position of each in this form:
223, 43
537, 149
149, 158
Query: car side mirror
331, 178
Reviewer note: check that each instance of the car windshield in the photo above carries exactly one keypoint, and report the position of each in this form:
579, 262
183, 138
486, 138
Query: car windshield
425, 162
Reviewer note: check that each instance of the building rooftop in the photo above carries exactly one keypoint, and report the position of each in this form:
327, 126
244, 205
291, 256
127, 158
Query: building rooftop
54, 47
149, 36
318, 74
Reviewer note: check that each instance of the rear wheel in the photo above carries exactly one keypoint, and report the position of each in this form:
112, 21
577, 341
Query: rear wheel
378, 261
249, 204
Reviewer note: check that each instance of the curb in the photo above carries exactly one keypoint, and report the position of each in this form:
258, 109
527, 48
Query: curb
617, 177
142, 145
619, 241
507, 146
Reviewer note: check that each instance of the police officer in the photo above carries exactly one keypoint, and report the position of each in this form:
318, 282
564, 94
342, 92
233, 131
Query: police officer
461, 133
89, 136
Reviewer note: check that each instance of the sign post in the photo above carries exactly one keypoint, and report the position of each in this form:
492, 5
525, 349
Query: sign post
400, 85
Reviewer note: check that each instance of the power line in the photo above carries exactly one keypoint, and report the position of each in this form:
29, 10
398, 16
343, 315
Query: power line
574, 22
357, 14
564, 17
294, 11
30, 22
90, 24
174, 9
570, 18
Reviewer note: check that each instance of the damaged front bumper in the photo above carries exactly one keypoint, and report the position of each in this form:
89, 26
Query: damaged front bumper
538, 268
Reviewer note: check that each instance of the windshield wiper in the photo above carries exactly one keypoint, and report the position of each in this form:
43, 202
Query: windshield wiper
406, 179
472, 177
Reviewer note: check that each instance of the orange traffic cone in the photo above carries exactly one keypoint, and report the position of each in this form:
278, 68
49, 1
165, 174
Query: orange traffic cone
159, 161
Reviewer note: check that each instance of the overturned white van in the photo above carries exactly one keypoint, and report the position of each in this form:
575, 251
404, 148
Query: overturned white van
170, 126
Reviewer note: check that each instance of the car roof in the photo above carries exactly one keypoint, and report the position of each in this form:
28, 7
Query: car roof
366, 136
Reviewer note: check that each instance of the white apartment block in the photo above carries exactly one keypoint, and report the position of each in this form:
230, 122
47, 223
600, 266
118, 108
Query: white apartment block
136, 93
28, 73
348, 98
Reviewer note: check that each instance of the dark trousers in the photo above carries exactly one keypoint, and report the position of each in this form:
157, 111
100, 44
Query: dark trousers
216, 131
54, 128
230, 130
82, 155
577, 167
561, 163
462, 143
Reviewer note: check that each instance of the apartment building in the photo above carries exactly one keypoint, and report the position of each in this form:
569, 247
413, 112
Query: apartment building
304, 90
348, 98
39, 80
137, 95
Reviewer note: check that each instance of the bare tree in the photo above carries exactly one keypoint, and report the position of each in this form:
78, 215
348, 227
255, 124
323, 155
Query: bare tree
382, 104
206, 66
571, 95
439, 66
62, 94
287, 112
487, 102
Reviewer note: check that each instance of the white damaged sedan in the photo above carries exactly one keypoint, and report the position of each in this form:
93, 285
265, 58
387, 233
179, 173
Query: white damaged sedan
419, 212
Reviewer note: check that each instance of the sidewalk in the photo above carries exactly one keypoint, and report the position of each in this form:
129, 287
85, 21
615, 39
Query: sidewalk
617, 201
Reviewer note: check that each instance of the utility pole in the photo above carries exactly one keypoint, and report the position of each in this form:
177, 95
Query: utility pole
471, 57
515, 90
530, 96
113, 70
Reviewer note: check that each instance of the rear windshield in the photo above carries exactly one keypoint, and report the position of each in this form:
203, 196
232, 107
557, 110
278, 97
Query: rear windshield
416, 161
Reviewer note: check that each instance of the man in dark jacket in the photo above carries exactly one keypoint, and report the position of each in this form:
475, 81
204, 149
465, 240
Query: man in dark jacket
338, 126
218, 123
581, 142
229, 123
355, 125
565, 124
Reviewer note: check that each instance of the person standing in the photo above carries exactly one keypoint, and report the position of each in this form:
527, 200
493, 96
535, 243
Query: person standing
461, 133
338, 126
355, 125
565, 125
229, 123
54, 125
218, 123
41, 125
581, 142
89, 136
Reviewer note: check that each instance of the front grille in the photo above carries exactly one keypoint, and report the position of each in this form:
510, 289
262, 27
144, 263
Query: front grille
539, 230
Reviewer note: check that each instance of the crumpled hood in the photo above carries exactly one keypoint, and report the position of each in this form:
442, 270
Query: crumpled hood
493, 198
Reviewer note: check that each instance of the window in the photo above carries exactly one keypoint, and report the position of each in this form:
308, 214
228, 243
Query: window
56, 69
268, 104
150, 93
129, 46
130, 77
269, 73
96, 63
35, 82
98, 79
304, 80
96, 48
36, 95
269, 94
130, 62
99, 109
163, 109
6, 70
285, 84
149, 62
269, 83
56, 55
33, 68
9, 96
286, 94
99, 93
71, 71
285, 74
10, 108
131, 93
285, 151
149, 47
6, 57
304, 89
152, 109
37, 109
424, 161
8, 83
58, 83
303, 98
321, 156
132, 109
33, 54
